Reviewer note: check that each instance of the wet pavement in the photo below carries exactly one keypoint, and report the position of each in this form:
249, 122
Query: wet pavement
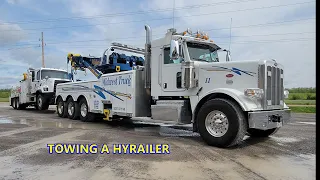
24, 135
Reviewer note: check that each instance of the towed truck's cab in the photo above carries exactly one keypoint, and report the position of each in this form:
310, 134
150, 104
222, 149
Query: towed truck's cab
44, 85
38, 88
224, 100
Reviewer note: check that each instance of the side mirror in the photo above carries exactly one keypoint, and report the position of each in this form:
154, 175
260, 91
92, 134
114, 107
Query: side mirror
228, 56
174, 50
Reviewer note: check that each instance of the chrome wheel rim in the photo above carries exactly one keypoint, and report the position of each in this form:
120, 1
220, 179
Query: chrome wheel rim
217, 123
39, 102
60, 107
70, 109
83, 110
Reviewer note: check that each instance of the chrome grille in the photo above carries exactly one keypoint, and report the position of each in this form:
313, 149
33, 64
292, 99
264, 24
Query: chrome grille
271, 81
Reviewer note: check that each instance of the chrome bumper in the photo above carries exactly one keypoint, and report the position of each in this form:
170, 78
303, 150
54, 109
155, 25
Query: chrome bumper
268, 119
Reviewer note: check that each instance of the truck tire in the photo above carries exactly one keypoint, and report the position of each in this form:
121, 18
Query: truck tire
262, 133
42, 102
15, 103
73, 110
20, 106
61, 108
221, 123
85, 116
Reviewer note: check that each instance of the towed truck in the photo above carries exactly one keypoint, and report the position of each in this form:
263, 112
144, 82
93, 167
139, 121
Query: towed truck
37, 88
184, 81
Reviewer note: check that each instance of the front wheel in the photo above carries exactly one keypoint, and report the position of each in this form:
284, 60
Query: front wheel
262, 133
221, 123
42, 103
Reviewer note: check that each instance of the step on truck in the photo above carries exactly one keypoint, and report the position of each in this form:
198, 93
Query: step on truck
184, 81
37, 88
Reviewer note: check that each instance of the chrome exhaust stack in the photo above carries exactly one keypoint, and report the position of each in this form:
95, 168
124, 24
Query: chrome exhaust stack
147, 57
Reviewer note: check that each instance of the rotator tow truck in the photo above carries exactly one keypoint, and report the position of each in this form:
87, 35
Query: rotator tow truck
182, 80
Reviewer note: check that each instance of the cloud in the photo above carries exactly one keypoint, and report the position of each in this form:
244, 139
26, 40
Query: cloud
10, 33
292, 50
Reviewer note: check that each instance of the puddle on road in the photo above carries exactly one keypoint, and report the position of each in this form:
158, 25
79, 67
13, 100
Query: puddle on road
6, 121
308, 123
163, 130
284, 139
300, 167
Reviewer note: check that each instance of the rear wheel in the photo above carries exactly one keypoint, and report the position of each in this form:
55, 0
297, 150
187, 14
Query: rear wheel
221, 123
73, 110
262, 133
61, 108
85, 115
15, 105
42, 103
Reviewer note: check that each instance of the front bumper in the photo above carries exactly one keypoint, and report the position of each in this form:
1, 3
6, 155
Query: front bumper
264, 120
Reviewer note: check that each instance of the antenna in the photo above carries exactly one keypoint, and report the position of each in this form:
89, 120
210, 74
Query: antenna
173, 13
230, 34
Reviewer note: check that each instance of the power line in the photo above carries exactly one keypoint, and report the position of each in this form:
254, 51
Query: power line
158, 36
130, 13
236, 42
157, 19
264, 24
19, 48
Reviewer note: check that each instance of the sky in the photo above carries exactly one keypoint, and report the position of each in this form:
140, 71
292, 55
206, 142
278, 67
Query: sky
281, 30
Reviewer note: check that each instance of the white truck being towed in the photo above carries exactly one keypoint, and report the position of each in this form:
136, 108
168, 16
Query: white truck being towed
183, 81
37, 88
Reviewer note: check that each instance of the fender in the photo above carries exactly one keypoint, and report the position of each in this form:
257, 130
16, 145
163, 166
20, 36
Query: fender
246, 103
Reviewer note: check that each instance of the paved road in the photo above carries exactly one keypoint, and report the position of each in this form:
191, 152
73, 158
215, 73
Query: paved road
24, 135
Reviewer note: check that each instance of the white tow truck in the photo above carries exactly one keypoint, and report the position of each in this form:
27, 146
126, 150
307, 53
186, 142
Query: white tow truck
183, 81
37, 88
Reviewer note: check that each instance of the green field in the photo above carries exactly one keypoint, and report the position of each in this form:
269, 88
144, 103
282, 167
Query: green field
302, 96
4, 99
301, 102
303, 109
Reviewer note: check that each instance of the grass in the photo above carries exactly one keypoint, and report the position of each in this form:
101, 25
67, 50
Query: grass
300, 102
4, 99
303, 109
4, 94
302, 96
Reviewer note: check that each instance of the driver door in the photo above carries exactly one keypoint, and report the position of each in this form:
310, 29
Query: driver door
35, 81
171, 72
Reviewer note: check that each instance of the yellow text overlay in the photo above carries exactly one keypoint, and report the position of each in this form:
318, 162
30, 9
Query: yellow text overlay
108, 149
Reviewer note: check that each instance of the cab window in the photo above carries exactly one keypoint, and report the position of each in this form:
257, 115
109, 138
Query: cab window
166, 56
38, 75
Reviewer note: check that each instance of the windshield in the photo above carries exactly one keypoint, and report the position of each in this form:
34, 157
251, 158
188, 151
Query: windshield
54, 74
202, 52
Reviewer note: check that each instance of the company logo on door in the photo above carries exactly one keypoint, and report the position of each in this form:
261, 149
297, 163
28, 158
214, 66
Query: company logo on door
118, 80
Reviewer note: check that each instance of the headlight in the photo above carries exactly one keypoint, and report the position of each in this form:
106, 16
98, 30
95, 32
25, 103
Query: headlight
286, 94
254, 92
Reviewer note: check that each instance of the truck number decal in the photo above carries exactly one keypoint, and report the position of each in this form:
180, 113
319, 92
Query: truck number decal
207, 80
106, 112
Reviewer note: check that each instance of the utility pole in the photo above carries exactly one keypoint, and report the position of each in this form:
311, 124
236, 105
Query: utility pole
42, 44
